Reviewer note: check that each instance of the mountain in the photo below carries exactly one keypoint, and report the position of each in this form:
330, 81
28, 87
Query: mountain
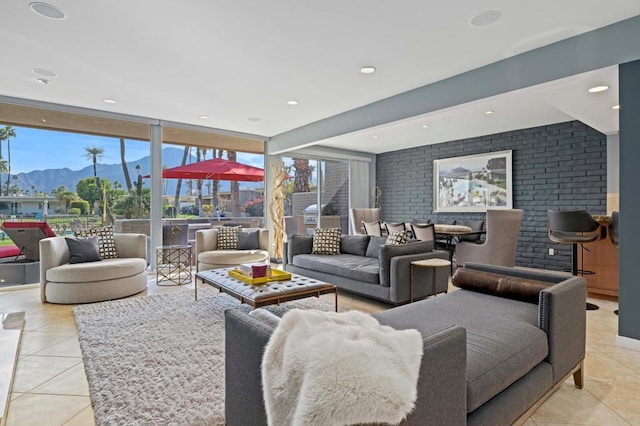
50, 179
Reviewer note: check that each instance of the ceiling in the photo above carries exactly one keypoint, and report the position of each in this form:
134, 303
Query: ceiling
238, 63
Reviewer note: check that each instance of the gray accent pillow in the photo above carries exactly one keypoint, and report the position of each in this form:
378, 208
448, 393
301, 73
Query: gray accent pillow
83, 250
249, 240
354, 244
373, 249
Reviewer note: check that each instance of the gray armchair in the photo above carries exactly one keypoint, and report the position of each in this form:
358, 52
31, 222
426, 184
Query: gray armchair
501, 241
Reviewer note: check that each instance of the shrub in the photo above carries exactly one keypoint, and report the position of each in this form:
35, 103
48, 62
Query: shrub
81, 205
254, 207
74, 210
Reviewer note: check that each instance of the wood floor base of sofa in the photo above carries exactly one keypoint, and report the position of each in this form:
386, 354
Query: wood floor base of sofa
578, 378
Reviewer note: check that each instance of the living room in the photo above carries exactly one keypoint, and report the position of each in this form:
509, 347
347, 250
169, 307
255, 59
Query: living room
400, 167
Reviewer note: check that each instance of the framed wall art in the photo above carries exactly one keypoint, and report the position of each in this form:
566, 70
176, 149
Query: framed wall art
473, 183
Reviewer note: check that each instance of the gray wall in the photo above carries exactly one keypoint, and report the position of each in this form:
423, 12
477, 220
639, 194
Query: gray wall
558, 166
629, 289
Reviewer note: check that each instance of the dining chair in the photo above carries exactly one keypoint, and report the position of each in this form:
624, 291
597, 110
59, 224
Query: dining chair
397, 227
372, 228
423, 232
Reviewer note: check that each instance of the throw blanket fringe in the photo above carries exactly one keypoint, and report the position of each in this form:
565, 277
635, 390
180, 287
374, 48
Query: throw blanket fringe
326, 368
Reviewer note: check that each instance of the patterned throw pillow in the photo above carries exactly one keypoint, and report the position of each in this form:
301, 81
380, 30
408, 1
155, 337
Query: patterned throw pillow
106, 240
228, 237
397, 238
326, 241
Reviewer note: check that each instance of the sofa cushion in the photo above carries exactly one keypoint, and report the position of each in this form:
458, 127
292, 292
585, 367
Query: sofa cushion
358, 268
106, 240
373, 249
249, 240
326, 241
83, 249
104, 270
503, 340
524, 289
228, 237
354, 244
230, 257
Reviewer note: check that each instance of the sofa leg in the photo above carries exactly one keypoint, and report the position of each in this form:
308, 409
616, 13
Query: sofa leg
578, 376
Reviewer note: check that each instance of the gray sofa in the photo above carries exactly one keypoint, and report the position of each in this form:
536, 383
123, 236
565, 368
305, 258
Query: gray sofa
488, 360
368, 267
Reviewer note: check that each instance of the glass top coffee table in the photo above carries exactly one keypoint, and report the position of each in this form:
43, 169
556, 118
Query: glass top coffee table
271, 293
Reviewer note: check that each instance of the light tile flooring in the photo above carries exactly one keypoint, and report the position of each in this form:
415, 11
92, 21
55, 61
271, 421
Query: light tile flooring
50, 386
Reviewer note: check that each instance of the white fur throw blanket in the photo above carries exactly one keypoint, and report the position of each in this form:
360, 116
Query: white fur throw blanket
327, 368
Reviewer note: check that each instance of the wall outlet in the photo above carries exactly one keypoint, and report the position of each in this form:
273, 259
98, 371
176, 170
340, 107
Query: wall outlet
551, 252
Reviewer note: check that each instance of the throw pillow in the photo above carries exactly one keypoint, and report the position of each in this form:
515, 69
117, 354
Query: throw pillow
373, 249
83, 250
326, 241
397, 238
524, 289
249, 240
106, 240
228, 237
354, 244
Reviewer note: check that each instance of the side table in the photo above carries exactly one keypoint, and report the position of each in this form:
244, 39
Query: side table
428, 263
173, 263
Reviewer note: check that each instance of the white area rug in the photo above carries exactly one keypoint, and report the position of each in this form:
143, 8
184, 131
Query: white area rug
160, 359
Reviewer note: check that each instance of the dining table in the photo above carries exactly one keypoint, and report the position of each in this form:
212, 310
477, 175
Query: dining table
448, 235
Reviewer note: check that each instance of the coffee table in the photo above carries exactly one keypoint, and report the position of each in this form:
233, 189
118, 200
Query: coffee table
272, 293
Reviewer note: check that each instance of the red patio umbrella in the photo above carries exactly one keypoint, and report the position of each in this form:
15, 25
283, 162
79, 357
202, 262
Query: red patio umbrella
216, 169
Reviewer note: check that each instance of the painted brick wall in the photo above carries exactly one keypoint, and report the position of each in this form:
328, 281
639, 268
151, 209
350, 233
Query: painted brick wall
559, 166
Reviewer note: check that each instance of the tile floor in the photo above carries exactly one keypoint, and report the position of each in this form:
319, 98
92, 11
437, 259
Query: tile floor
50, 386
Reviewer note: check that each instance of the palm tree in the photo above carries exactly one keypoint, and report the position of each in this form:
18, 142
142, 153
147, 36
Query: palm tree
125, 169
235, 188
302, 176
176, 201
94, 154
5, 166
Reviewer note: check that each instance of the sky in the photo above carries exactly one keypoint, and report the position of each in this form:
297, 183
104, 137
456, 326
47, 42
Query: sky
35, 149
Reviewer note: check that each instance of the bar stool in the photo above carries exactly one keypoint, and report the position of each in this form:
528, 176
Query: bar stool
574, 227
614, 233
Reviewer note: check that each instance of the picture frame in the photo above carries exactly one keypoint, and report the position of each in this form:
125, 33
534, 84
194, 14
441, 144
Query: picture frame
473, 183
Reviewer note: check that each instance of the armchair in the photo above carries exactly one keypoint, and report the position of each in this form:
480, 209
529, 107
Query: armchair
501, 241
255, 248
65, 283
357, 216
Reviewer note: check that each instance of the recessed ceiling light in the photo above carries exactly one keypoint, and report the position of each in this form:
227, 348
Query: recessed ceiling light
375, 136
596, 89
615, 107
44, 120
254, 118
489, 112
42, 72
424, 126
47, 10
109, 101
485, 18
43, 81
292, 102
368, 69
204, 117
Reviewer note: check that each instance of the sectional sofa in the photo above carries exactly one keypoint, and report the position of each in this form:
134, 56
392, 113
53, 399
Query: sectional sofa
488, 359
369, 267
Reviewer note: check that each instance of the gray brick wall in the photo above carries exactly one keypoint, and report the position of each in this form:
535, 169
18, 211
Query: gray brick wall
558, 166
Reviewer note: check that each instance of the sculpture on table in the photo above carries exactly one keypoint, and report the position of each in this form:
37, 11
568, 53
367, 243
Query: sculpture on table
276, 206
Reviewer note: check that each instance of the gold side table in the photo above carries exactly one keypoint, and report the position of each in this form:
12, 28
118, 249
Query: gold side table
428, 263
173, 264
